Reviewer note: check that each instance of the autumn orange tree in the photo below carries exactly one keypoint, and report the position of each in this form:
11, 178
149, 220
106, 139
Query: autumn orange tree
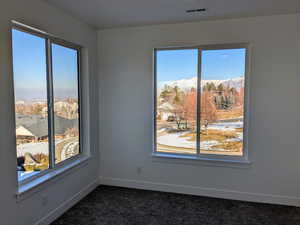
208, 107
240, 97
190, 107
240, 101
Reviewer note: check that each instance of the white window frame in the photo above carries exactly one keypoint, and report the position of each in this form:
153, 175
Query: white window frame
198, 155
54, 169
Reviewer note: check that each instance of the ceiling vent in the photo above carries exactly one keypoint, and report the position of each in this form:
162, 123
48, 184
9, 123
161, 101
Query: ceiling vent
195, 10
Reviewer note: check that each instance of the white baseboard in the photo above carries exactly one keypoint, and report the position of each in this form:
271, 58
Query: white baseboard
61, 209
203, 191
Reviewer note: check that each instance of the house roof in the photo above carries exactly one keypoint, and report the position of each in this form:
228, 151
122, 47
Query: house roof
28, 120
38, 125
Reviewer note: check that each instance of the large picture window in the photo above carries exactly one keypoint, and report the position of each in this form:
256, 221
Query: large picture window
46, 87
200, 101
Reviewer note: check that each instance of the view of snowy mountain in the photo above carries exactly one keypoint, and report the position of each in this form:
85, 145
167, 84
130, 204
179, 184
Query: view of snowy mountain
186, 84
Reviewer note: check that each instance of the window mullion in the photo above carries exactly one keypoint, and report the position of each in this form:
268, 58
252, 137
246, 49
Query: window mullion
50, 105
79, 99
198, 120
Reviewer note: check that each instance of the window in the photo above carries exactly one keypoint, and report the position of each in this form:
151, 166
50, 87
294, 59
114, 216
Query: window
65, 94
200, 101
46, 87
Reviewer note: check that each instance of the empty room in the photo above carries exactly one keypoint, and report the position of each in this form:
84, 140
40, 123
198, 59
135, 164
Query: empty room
138, 112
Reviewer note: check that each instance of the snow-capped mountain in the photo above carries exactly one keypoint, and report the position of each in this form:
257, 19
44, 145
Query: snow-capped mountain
186, 84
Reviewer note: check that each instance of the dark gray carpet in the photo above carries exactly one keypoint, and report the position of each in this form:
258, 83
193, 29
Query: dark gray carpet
122, 206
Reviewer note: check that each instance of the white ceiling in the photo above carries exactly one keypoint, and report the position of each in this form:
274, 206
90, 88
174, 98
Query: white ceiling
119, 13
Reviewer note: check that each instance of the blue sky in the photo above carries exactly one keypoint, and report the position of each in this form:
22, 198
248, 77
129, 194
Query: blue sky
29, 65
65, 82
216, 64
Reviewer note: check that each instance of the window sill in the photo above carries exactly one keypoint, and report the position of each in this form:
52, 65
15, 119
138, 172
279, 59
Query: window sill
36, 184
196, 160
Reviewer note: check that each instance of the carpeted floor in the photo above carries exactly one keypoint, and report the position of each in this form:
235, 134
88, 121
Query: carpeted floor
119, 206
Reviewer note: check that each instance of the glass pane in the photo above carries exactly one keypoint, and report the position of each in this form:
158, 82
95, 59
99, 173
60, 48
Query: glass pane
66, 102
222, 101
30, 87
176, 101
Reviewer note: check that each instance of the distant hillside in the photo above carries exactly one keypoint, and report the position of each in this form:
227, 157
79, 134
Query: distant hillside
186, 84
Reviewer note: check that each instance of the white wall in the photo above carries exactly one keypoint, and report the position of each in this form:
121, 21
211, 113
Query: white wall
125, 67
61, 191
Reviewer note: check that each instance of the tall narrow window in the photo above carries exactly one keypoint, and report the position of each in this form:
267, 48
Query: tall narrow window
176, 101
222, 101
30, 83
66, 104
46, 85
200, 101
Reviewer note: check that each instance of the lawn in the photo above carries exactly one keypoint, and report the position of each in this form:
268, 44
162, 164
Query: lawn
212, 135
229, 114
221, 136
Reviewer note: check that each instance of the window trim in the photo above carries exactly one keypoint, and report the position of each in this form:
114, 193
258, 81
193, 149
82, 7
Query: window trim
200, 156
43, 34
55, 168
39, 182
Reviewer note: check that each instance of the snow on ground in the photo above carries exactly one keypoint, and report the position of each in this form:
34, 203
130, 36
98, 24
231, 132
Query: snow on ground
225, 126
175, 139
237, 139
33, 148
